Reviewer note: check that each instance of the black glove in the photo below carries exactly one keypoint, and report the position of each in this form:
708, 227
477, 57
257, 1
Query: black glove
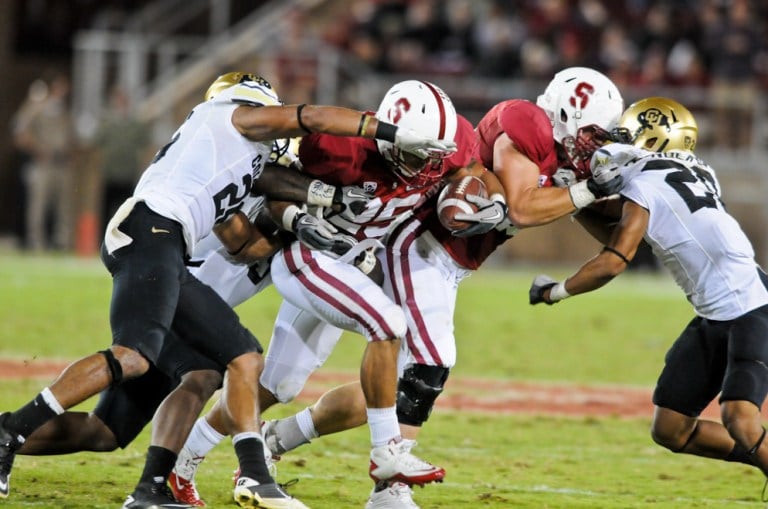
350, 201
489, 215
538, 286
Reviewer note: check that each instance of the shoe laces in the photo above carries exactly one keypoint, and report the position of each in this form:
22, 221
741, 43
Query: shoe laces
287, 484
413, 462
401, 489
188, 467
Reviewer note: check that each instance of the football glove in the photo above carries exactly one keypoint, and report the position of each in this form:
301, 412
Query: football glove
563, 177
489, 215
314, 232
414, 143
540, 283
349, 201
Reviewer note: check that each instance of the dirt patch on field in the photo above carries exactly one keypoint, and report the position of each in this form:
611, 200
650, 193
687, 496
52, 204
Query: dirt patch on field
465, 394
30, 368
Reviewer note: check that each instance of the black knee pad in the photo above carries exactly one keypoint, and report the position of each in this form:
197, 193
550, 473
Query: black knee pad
417, 390
115, 369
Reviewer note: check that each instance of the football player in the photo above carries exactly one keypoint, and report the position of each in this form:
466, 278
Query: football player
517, 143
324, 294
195, 185
672, 199
426, 262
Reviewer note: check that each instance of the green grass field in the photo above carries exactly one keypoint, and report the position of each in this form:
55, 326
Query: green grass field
58, 308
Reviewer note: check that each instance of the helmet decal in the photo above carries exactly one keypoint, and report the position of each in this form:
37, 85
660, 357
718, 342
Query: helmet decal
653, 116
659, 124
400, 107
422, 107
583, 106
582, 91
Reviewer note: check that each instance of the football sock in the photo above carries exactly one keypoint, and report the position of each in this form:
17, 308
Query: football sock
306, 424
250, 454
158, 465
201, 440
33, 415
383, 425
294, 431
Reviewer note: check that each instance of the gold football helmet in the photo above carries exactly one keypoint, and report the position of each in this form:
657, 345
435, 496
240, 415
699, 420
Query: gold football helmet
229, 79
660, 124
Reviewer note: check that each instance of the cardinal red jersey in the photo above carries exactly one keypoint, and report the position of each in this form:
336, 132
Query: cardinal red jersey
530, 130
356, 161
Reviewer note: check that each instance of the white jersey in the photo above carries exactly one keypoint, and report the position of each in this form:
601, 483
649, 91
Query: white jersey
235, 283
690, 232
204, 173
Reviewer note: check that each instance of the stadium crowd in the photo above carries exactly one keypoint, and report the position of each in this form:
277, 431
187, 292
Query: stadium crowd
718, 45
693, 41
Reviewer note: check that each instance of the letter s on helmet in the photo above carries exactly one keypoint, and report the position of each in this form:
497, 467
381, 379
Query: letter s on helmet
583, 106
424, 108
660, 124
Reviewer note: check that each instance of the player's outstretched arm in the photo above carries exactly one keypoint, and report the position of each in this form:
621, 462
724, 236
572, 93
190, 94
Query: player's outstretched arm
280, 183
603, 267
262, 123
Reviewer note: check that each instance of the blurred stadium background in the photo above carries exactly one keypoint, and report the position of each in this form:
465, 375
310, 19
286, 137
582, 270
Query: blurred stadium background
712, 55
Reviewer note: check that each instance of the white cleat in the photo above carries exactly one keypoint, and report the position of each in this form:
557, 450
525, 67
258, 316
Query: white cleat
395, 496
394, 462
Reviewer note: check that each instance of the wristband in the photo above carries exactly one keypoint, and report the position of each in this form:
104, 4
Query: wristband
365, 119
617, 253
298, 118
558, 292
580, 194
289, 214
320, 193
385, 131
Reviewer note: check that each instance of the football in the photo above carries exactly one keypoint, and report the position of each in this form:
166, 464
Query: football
452, 201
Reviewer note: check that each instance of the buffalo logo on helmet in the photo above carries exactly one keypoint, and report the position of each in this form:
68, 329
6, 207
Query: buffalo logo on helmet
654, 117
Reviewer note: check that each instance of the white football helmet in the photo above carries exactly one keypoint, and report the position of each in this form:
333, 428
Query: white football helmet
583, 106
424, 108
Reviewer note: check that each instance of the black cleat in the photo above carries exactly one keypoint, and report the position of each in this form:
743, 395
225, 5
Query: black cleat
152, 496
9, 444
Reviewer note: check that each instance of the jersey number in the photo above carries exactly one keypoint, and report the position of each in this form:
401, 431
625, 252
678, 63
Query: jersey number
228, 201
680, 179
161, 153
